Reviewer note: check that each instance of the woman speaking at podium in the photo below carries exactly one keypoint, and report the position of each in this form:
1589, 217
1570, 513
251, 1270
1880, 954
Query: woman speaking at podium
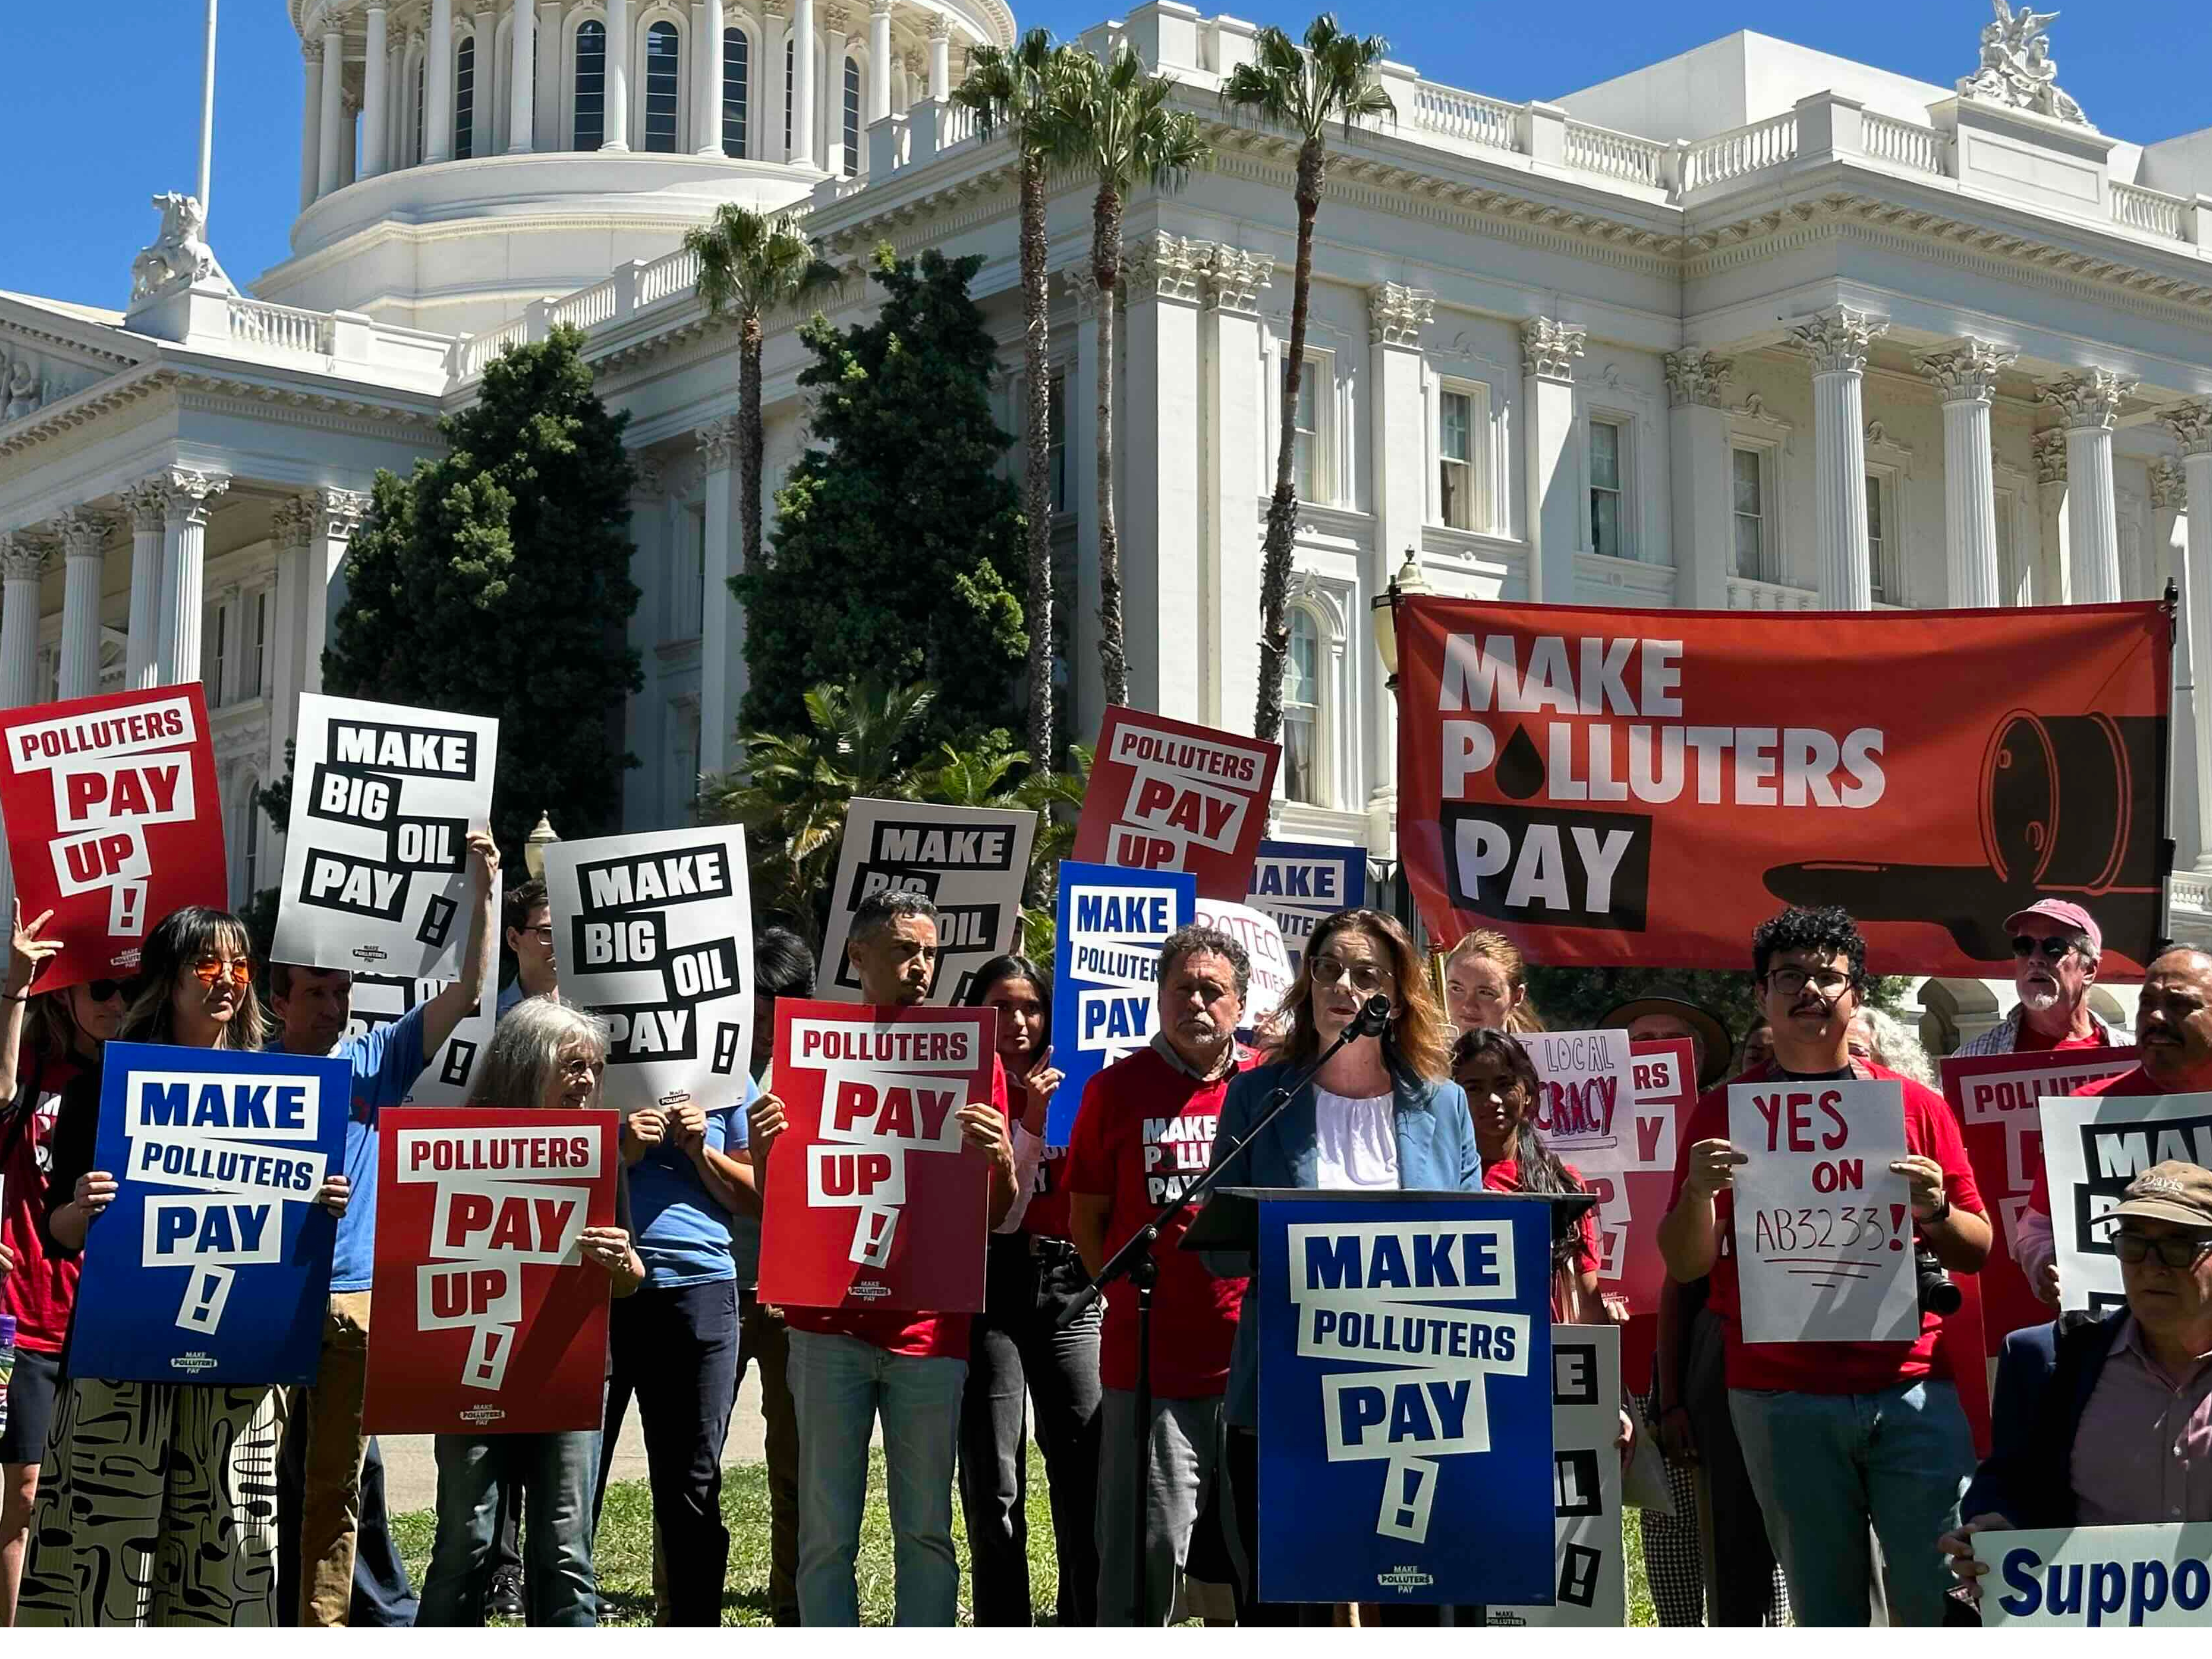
1383, 1113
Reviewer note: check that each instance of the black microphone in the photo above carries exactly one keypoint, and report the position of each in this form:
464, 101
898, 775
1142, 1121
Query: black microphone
1373, 1019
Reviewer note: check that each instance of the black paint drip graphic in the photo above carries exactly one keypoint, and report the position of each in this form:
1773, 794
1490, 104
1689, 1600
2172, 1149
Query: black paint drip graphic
1520, 770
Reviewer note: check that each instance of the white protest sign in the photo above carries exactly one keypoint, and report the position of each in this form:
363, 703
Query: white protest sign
376, 873
2156, 1577
1593, 1582
970, 861
1262, 940
2093, 1146
1586, 1113
378, 1000
1823, 1226
654, 933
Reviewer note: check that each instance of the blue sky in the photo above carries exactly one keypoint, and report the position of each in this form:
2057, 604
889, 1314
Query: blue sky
104, 121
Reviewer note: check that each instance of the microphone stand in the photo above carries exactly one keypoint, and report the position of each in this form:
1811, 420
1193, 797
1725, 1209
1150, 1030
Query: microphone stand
1134, 1262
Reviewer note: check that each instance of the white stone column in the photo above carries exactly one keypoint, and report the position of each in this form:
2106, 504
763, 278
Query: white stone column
2090, 404
617, 106
310, 124
142, 657
1701, 477
545, 123
1837, 342
836, 21
940, 58
879, 60
290, 649
376, 95
521, 76
802, 83
2187, 815
187, 497
722, 620
84, 538
1162, 502
1398, 431
438, 85
23, 555
349, 141
1558, 515
711, 91
2192, 426
484, 32
2052, 581
1966, 380
1236, 435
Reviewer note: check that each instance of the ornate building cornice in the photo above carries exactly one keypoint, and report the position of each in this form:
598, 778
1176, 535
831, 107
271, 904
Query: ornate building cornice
1698, 378
1396, 314
1967, 372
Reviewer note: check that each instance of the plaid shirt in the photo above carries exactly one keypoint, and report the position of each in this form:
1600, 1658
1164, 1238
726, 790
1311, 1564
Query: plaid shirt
2004, 1037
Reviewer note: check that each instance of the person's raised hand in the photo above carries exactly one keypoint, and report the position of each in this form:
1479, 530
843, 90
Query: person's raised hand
28, 950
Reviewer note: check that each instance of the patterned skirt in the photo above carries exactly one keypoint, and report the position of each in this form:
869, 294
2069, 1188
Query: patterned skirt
157, 1505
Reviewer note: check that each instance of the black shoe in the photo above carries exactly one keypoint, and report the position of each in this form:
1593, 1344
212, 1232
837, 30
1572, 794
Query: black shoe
506, 1594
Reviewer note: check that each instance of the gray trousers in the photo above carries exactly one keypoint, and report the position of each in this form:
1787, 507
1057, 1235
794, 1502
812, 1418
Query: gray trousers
1184, 1433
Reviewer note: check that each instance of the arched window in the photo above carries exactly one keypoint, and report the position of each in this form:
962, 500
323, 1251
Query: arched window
1302, 766
852, 117
664, 65
590, 85
247, 877
465, 99
790, 83
737, 90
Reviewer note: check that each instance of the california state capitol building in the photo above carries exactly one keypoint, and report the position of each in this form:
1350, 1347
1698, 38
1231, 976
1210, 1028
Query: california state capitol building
1755, 328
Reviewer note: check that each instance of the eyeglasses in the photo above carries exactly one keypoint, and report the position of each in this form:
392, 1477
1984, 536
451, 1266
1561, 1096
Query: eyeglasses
2174, 1249
542, 935
2051, 950
577, 1071
102, 990
1365, 977
210, 972
1789, 982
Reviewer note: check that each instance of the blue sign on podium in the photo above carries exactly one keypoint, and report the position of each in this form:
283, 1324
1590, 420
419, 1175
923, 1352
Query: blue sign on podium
1405, 1398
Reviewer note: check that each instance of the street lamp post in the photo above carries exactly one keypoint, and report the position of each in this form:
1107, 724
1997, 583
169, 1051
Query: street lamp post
534, 846
1383, 867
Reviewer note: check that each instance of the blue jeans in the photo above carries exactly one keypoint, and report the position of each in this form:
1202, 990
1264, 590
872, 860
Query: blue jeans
557, 1473
1826, 1466
840, 1384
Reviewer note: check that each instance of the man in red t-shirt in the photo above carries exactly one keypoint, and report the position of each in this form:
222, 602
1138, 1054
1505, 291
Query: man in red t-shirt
1144, 1133
2056, 948
2173, 1030
1836, 1436
908, 1366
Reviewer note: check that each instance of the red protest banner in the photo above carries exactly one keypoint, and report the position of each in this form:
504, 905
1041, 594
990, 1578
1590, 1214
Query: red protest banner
1588, 779
1998, 1101
872, 1200
488, 1320
113, 822
1168, 796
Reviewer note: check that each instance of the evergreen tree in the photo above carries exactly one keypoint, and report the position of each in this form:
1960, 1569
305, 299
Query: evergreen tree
898, 551
495, 580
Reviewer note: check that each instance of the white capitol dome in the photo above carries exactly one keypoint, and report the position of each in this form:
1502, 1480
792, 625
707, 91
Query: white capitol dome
460, 160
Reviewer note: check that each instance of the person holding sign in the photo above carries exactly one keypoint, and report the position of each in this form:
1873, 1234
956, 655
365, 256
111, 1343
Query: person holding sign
2173, 1034
1835, 1435
156, 1503
1502, 1090
908, 1366
1143, 1134
2108, 1423
324, 1444
1383, 1113
550, 1055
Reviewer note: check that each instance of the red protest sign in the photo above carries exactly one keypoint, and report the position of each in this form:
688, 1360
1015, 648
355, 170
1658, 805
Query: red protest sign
872, 1200
113, 822
488, 1319
1998, 1101
1167, 796
1586, 779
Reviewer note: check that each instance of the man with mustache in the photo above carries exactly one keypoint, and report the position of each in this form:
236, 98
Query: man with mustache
2173, 1030
1836, 1436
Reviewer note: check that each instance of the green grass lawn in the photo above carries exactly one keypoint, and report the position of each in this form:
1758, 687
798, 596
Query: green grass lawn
625, 1551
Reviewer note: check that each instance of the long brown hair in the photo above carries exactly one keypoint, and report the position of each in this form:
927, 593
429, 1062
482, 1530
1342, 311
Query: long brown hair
1417, 1040
182, 938
1494, 947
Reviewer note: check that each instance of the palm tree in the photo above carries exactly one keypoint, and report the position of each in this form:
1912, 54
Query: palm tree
1334, 79
1015, 89
1115, 119
750, 264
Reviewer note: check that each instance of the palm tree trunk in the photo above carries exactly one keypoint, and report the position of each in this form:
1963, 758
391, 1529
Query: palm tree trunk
752, 440
1037, 477
1106, 267
1283, 505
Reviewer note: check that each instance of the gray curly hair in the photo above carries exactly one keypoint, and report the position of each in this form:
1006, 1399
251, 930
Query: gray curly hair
526, 1048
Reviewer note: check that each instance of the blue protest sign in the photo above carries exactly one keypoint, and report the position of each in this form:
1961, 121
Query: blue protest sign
1300, 883
1105, 963
213, 1263
1406, 1400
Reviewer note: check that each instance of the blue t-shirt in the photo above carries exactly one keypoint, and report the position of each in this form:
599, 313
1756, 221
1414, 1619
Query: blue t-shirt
683, 1233
385, 1064
744, 1230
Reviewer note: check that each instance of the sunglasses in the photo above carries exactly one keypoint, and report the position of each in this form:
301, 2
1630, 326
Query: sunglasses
2050, 949
103, 990
210, 972
2175, 1250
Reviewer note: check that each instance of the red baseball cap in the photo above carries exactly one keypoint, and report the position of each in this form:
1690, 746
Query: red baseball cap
2066, 913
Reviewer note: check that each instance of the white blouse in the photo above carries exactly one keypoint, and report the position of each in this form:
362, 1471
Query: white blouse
1355, 1141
